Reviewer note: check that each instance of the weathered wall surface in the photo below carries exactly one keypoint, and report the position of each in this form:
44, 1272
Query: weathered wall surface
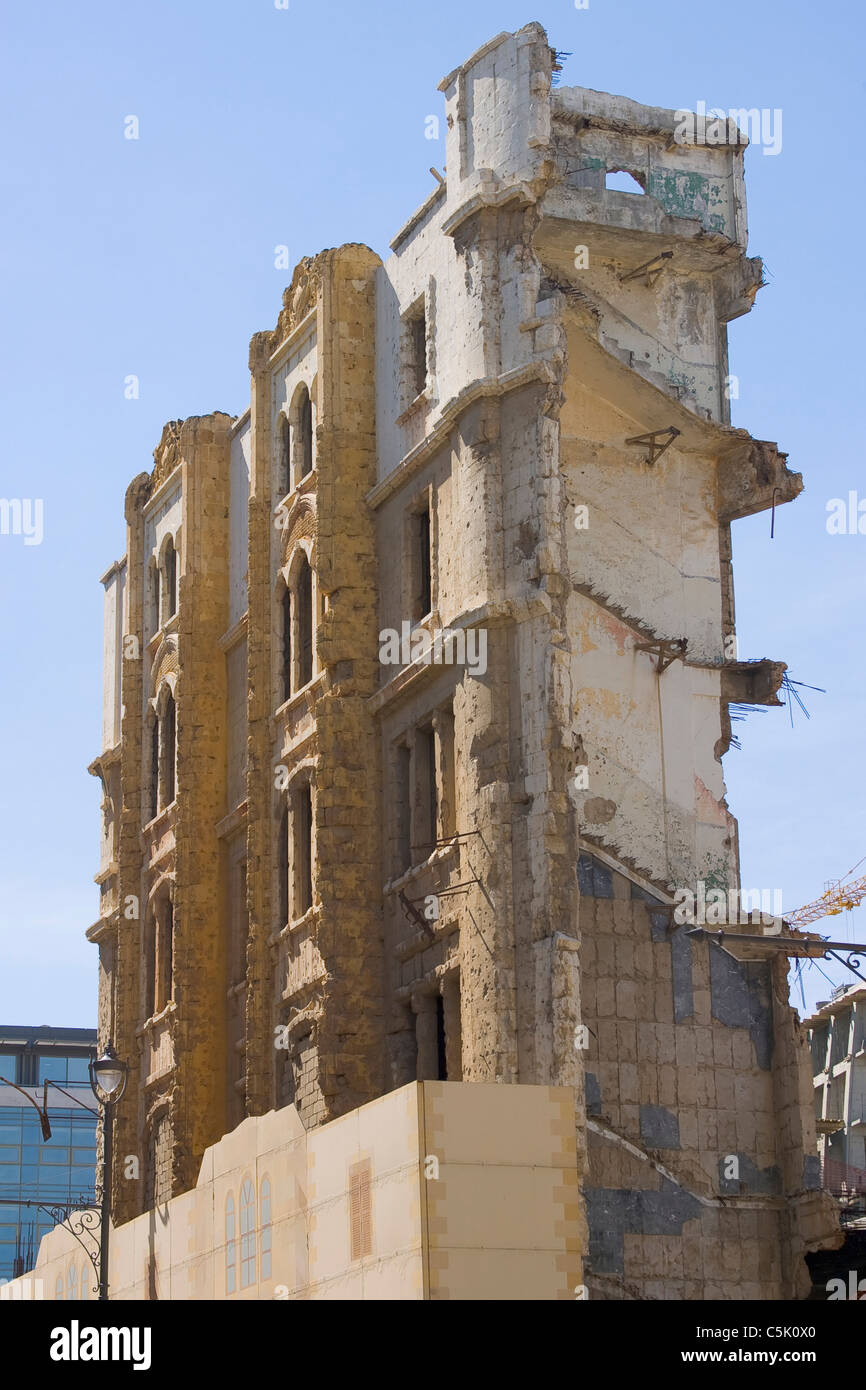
483, 440
702, 1179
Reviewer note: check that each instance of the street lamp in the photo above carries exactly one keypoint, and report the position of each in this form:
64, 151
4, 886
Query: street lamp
108, 1082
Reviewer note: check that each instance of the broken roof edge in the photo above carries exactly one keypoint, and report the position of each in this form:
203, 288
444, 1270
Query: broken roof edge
438, 193
533, 31
626, 114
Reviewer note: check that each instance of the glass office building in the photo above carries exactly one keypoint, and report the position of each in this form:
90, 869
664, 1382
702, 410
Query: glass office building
61, 1169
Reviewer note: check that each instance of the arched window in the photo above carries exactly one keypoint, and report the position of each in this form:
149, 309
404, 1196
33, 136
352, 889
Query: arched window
154, 596
84, 1282
170, 572
302, 422
265, 1224
58, 1289
168, 751
304, 597
287, 644
231, 1249
248, 1235
284, 458
150, 965
153, 789
302, 850
71, 1283
305, 411
164, 961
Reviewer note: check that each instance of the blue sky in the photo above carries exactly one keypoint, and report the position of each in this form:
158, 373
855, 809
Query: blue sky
306, 127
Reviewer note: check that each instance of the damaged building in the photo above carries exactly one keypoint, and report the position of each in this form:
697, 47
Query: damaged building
327, 876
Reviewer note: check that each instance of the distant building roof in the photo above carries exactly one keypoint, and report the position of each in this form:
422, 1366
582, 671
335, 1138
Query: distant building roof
44, 1035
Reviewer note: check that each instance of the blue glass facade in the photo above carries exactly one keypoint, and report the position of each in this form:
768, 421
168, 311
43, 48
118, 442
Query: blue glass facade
61, 1169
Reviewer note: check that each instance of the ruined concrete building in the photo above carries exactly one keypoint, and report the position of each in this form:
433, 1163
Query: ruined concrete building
417, 687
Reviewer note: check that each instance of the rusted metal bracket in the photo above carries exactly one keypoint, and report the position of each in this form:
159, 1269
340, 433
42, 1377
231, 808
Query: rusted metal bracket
847, 953
650, 271
413, 914
450, 840
651, 441
665, 651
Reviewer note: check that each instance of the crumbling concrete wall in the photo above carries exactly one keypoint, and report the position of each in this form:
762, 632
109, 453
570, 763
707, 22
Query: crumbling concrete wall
517, 395
700, 1181
576, 546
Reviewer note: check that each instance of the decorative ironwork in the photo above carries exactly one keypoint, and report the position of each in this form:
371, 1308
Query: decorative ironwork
81, 1224
80, 1218
852, 960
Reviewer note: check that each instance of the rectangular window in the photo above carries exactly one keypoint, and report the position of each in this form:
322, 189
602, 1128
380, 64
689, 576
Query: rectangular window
303, 850
448, 790
304, 591
149, 966
418, 353
154, 596
240, 924
423, 567
402, 810
52, 1068
28, 1066
426, 793
441, 1055
414, 345
283, 868
170, 722
163, 967
287, 644
154, 767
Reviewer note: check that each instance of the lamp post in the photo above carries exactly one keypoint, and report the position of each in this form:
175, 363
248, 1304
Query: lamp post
108, 1082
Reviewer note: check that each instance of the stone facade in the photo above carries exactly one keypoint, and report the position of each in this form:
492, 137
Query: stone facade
335, 860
